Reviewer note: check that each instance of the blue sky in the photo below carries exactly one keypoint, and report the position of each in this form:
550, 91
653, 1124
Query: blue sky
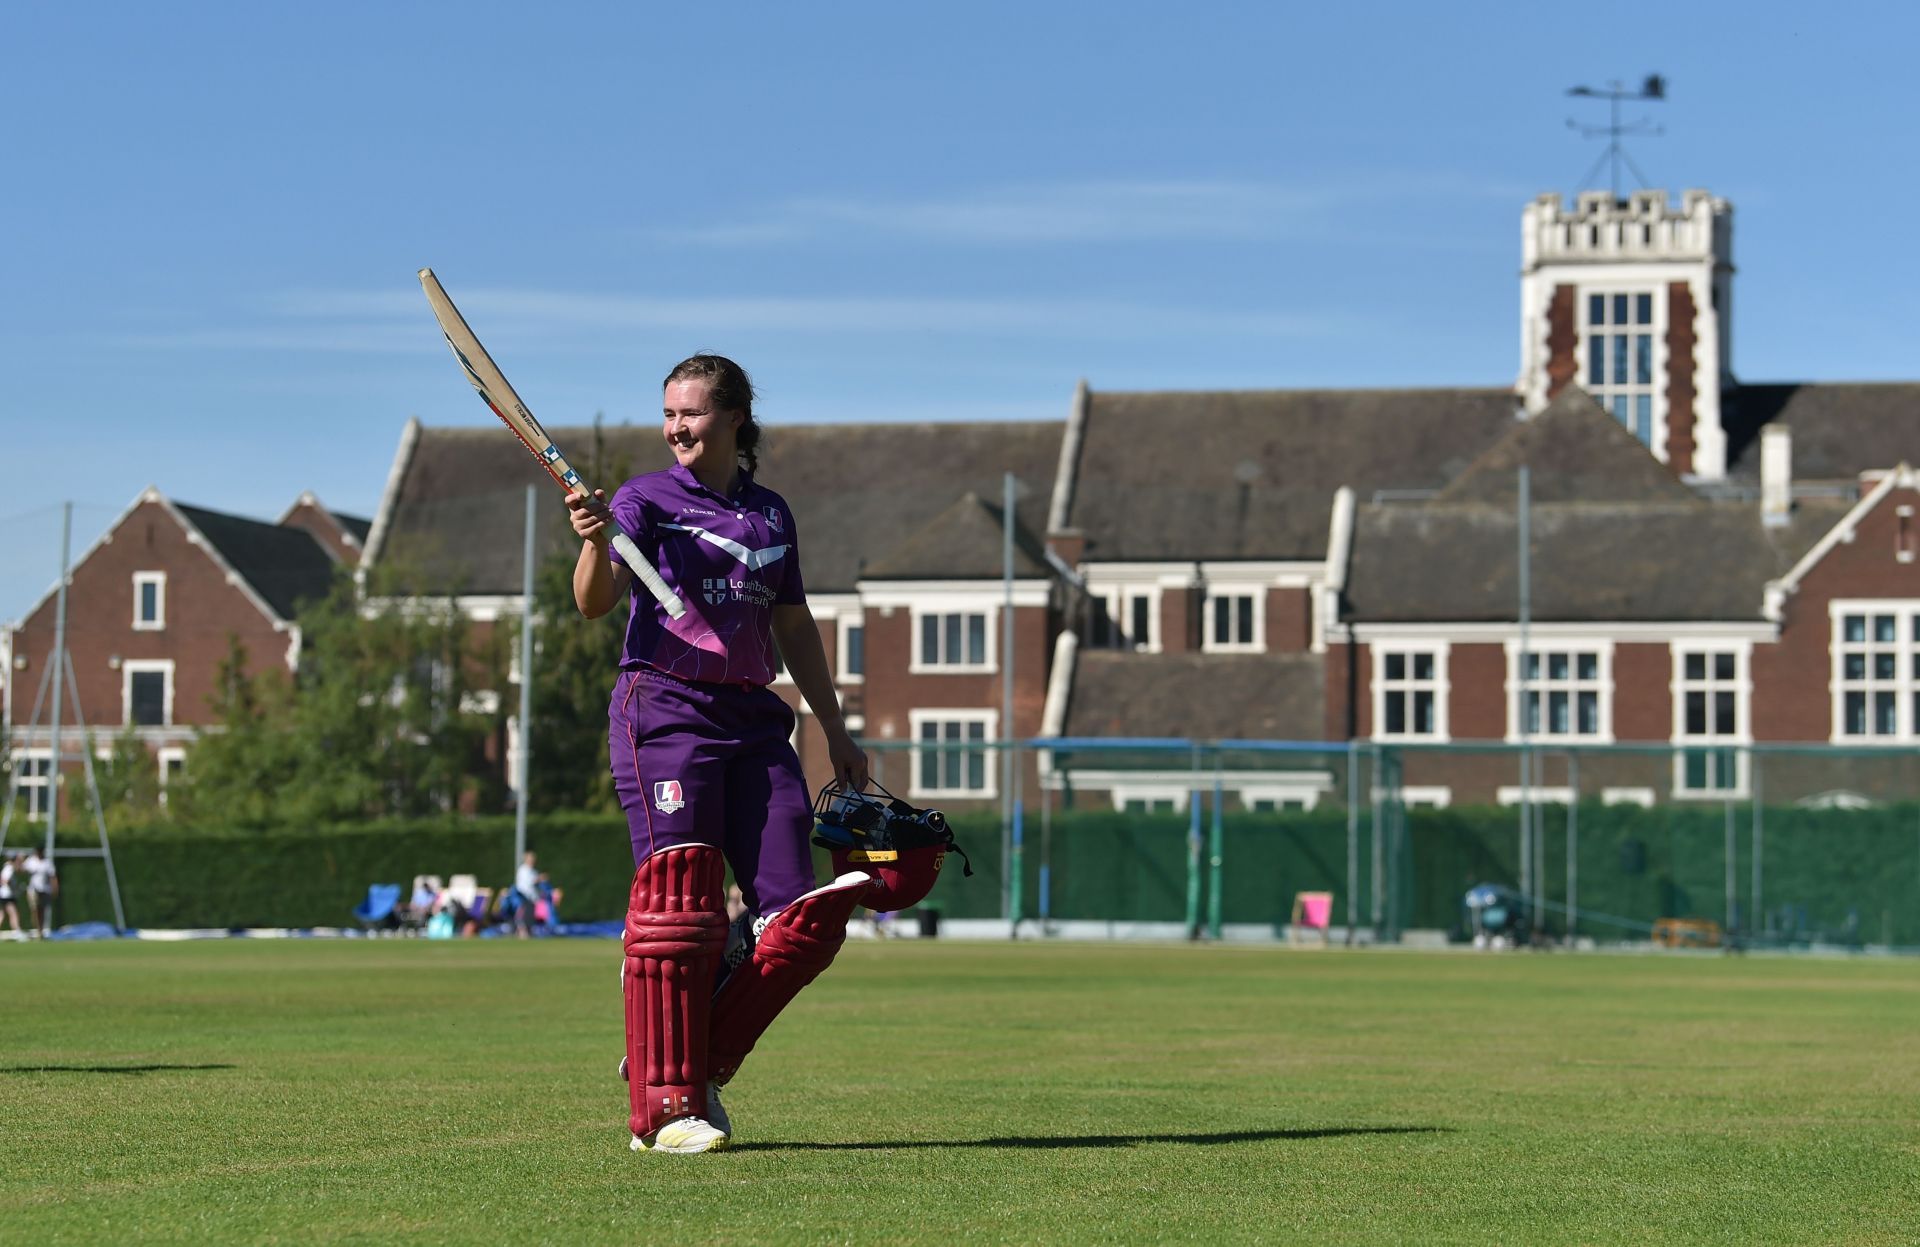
214, 212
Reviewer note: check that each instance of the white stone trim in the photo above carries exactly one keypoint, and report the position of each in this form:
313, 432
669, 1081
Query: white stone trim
1219, 591
1539, 794
1774, 598
128, 669
1621, 633
990, 758
158, 579
1905, 684
1441, 684
919, 664
842, 625
1634, 795
1541, 648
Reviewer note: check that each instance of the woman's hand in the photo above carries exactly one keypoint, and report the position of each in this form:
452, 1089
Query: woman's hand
591, 518
849, 760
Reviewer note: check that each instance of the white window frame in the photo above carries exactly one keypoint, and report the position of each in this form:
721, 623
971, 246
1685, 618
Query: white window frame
990, 723
1257, 644
1740, 684
1905, 682
1119, 601
159, 621
133, 666
28, 786
1542, 649
842, 626
1655, 388
1438, 685
1642, 797
921, 665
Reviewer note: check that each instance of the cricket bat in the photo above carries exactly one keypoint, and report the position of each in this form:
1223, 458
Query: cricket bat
494, 390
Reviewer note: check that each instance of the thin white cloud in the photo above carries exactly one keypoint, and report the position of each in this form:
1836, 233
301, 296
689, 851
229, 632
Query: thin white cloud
1088, 212
386, 323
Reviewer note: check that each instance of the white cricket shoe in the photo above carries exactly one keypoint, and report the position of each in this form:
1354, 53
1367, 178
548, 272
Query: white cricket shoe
683, 1136
716, 1111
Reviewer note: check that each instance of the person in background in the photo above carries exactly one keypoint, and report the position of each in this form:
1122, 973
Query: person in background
526, 889
43, 884
9, 869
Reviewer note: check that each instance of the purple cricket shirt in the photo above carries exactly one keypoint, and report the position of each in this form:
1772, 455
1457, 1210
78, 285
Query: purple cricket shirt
731, 559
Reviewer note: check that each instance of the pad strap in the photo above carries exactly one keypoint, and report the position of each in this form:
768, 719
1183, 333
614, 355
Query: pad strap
676, 931
797, 944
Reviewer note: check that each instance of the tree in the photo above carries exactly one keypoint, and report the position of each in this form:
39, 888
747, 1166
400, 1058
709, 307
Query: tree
575, 663
129, 782
381, 720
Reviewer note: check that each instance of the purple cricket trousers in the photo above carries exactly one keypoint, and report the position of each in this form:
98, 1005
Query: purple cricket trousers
712, 764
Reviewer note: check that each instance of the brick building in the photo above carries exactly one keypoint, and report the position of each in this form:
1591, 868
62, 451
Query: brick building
1713, 563
151, 606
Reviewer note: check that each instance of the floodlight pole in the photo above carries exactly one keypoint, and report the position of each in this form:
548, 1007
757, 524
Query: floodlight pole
1523, 704
523, 763
1009, 755
59, 663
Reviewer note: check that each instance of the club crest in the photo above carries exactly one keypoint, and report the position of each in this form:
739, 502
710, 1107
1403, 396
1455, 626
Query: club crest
774, 521
666, 796
714, 589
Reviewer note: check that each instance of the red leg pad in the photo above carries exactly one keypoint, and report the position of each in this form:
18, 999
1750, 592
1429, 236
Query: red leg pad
798, 943
676, 932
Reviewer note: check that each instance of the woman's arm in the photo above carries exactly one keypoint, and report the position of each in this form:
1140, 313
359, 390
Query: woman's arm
799, 640
598, 583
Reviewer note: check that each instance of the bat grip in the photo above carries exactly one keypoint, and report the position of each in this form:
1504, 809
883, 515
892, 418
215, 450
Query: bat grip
643, 568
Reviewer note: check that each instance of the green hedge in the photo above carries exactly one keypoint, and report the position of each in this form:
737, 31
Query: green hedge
1827, 872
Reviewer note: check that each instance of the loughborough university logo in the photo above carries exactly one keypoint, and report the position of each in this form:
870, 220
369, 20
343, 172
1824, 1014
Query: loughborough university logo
714, 589
667, 796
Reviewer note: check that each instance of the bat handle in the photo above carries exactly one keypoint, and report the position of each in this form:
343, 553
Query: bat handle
643, 568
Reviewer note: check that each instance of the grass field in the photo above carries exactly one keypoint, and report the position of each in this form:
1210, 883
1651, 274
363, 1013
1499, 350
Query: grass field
464, 1092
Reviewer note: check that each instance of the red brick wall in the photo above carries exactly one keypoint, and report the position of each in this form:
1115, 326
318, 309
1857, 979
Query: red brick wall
1562, 340
892, 690
1642, 692
1289, 621
1680, 388
1176, 620
1477, 692
324, 530
201, 610
1792, 699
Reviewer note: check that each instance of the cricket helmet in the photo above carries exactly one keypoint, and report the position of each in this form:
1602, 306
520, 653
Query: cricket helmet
901, 846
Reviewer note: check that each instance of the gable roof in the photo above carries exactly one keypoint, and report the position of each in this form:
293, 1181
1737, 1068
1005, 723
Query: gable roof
1197, 696
274, 568
1574, 452
1590, 562
964, 542
456, 501
285, 566
1840, 429
1251, 474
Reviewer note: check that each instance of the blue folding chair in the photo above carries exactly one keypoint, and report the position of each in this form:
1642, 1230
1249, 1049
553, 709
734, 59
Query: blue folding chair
377, 909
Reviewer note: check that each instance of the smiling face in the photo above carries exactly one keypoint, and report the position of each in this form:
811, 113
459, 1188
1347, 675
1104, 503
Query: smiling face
701, 438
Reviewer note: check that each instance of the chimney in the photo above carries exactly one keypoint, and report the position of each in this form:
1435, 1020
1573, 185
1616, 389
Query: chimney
1776, 474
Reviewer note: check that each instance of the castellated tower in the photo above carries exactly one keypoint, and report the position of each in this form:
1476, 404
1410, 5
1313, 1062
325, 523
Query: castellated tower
1631, 299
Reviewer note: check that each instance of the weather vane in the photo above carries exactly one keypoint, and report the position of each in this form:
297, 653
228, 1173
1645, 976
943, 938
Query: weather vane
1654, 88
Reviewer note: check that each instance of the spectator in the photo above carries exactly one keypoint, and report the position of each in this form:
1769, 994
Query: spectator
526, 895
423, 903
8, 870
43, 884
546, 911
